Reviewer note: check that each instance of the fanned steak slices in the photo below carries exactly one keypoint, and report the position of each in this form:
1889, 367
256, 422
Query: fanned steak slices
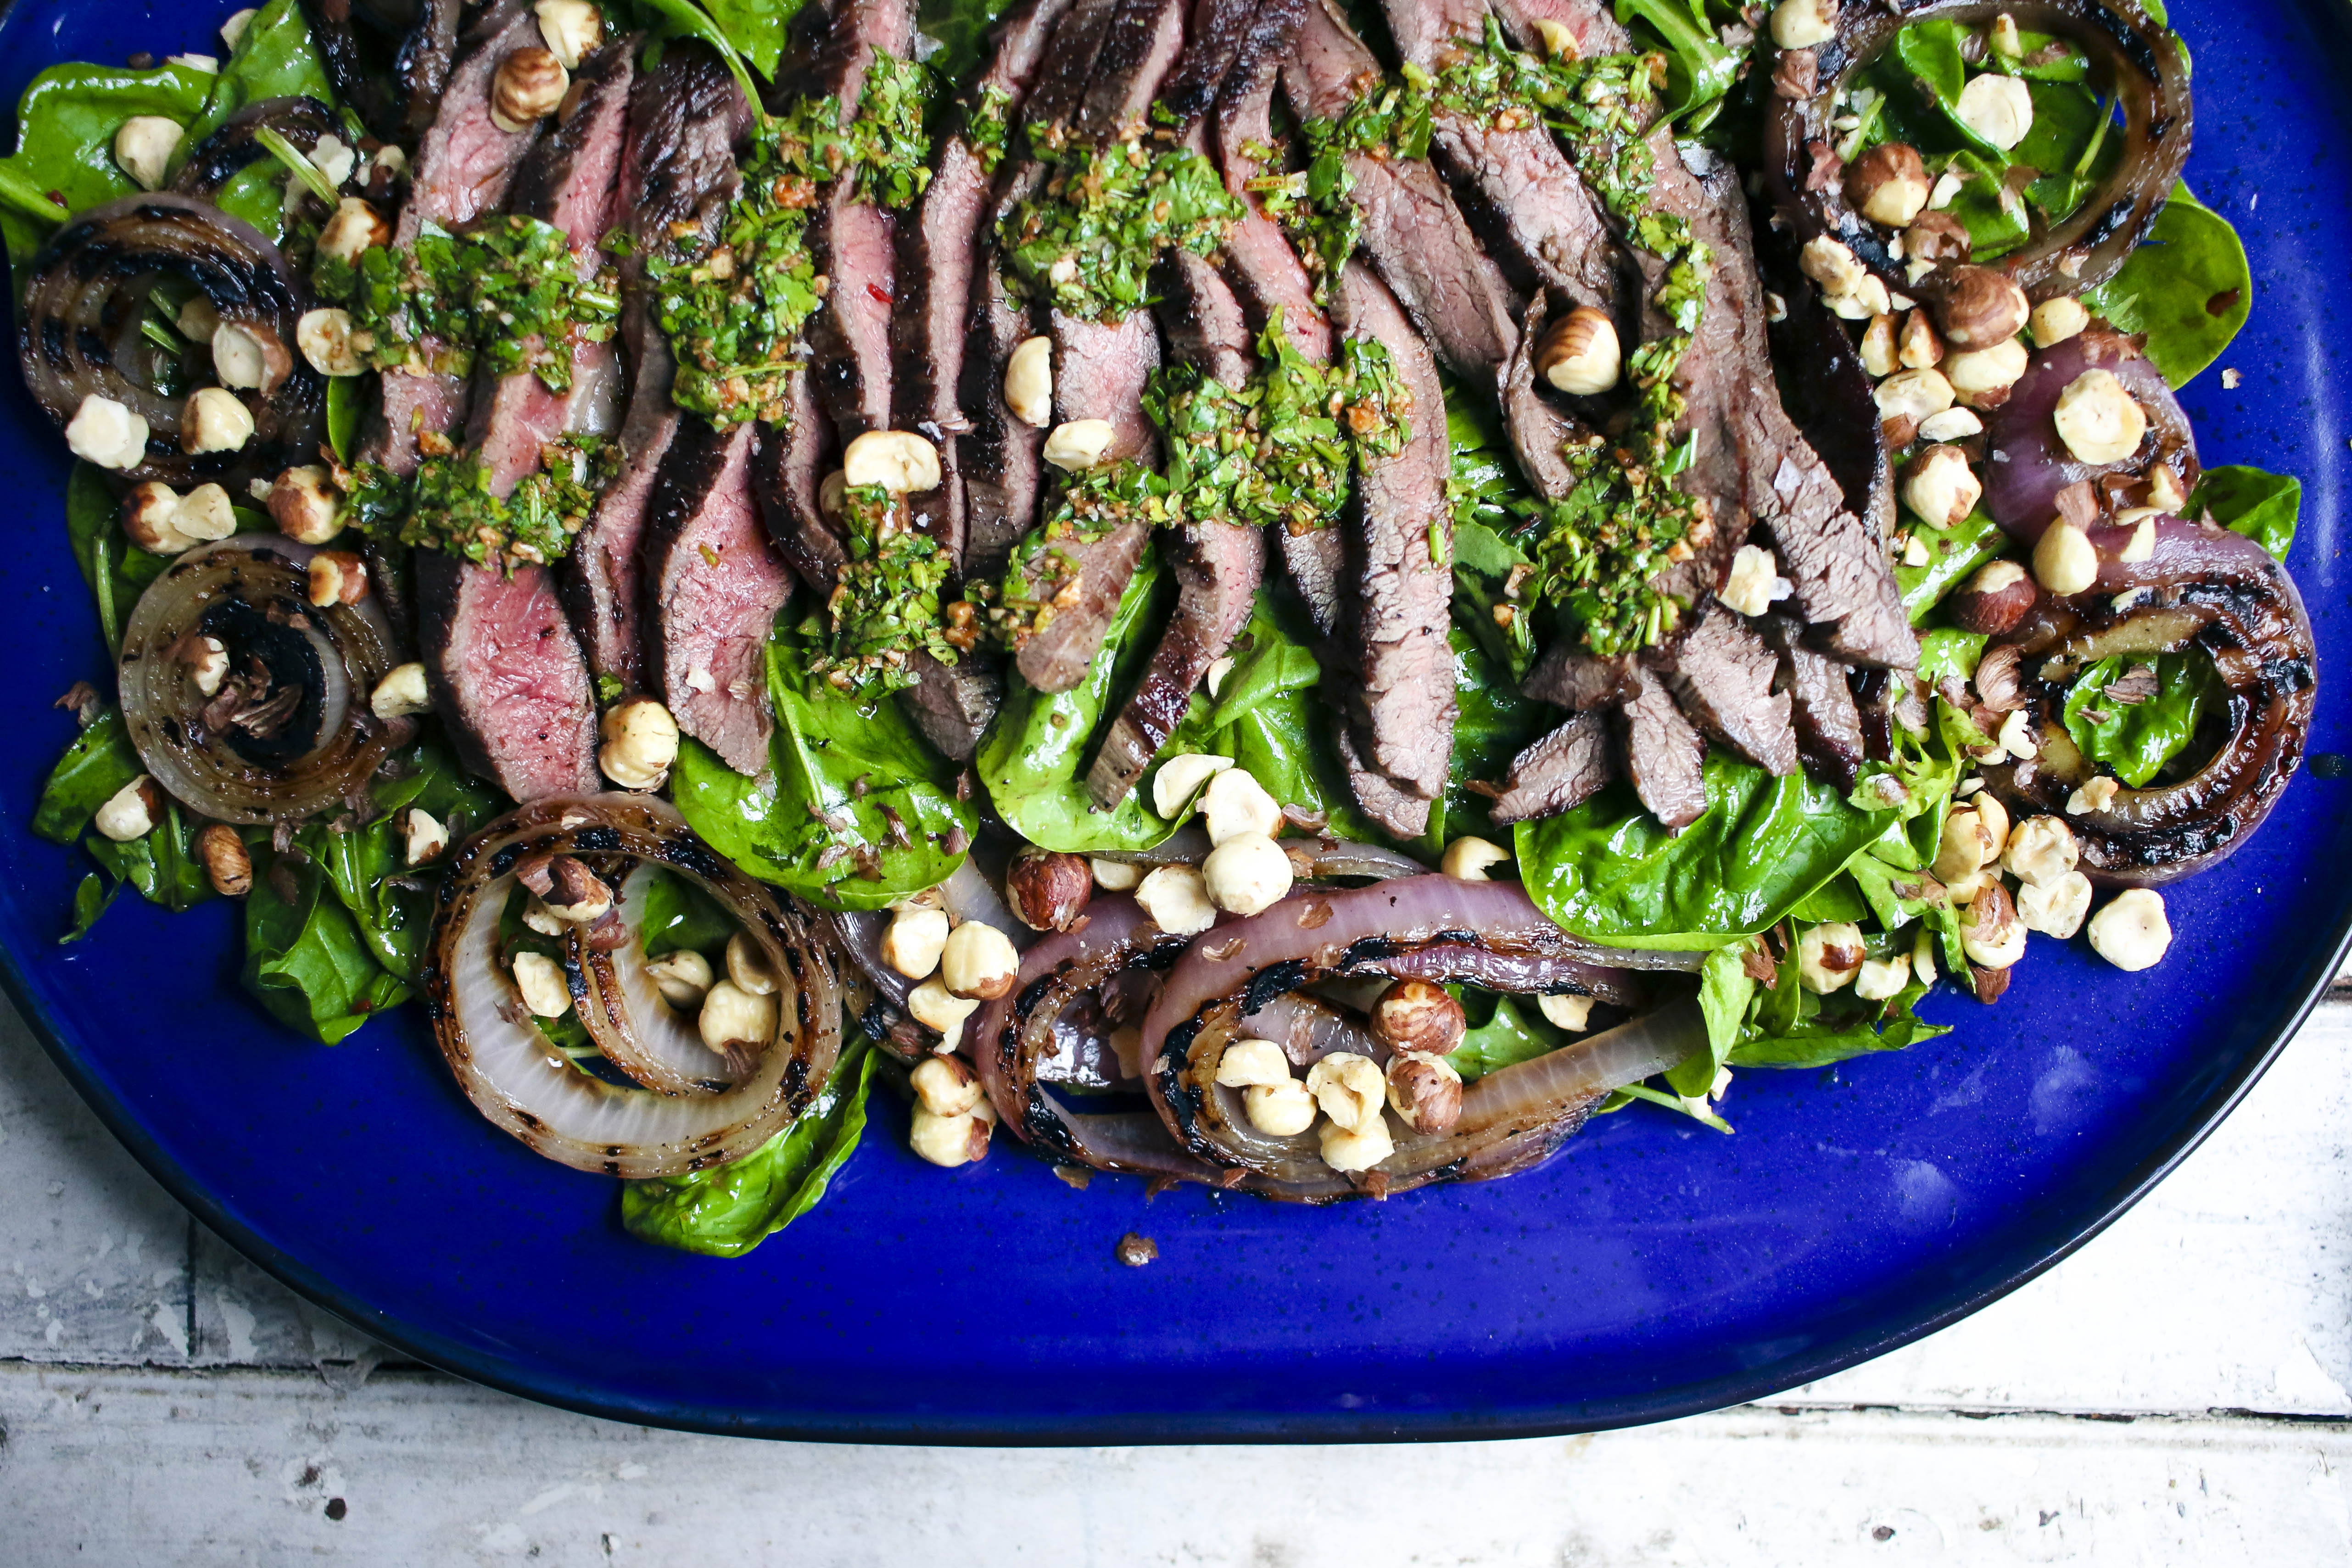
1069, 69
1139, 49
1396, 812
1399, 537
1054, 657
953, 705
1412, 229
1822, 705
507, 677
1723, 677
463, 168
1000, 457
1202, 319
1213, 43
1539, 429
1218, 567
788, 473
1664, 755
677, 168
712, 588
1316, 562
1560, 772
1543, 225
1591, 23
854, 242
1260, 262
1568, 678
570, 178
1099, 372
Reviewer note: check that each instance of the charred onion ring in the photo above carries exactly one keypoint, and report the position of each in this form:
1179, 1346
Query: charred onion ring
625, 1014
2027, 463
289, 731
523, 1085
79, 332
233, 149
1432, 927
2208, 586
422, 39
2132, 58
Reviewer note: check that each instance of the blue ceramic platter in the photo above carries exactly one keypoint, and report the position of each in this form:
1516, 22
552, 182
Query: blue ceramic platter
1656, 1269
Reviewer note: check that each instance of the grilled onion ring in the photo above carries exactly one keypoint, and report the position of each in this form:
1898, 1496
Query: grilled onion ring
79, 332
625, 1013
251, 591
514, 1077
2132, 58
2220, 591
233, 149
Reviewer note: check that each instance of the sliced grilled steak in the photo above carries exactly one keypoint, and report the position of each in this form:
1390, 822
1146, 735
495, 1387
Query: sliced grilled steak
1593, 27
1539, 428
1138, 50
1412, 229
1001, 456
1400, 535
1664, 755
1829, 723
1055, 658
506, 677
854, 242
1560, 772
677, 169
953, 705
1722, 676
1571, 678
1202, 319
462, 170
569, 179
1099, 371
1522, 194
1213, 44
713, 590
1218, 567
1392, 810
1260, 262
1070, 62
788, 470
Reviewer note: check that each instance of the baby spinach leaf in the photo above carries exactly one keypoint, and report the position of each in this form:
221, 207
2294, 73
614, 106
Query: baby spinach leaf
273, 58
666, 19
1699, 70
2134, 740
961, 27
1952, 554
679, 914
346, 405
1270, 719
65, 140
1494, 725
1949, 651
855, 809
2187, 287
161, 865
724, 1211
99, 763
94, 529
1517, 1032
305, 959
2262, 506
1835, 1028
92, 898
1930, 51
1725, 991
755, 26
366, 863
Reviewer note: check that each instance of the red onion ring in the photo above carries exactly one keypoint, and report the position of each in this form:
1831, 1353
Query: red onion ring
523, 1085
2026, 463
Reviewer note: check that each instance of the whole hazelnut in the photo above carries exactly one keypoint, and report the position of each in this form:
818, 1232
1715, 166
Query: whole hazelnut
1993, 601
227, 866
1426, 1092
1419, 1016
1580, 354
1888, 184
1983, 308
1048, 890
528, 87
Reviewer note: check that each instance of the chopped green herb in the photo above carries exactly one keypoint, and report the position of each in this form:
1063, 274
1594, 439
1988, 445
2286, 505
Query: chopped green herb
886, 604
1088, 240
448, 505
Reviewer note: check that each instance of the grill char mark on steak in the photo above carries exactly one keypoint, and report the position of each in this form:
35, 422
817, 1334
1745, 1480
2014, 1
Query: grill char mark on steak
788, 472
1402, 710
463, 168
713, 590
1829, 723
1054, 657
1260, 263
1001, 456
678, 168
1560, 772
1540, 222
1567, 676
852, 241
1139, 51
506, 677
1412, 229
1218, 32
1723, 677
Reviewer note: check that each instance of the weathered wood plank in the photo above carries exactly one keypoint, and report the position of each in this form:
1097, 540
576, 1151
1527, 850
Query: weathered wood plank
139, 1466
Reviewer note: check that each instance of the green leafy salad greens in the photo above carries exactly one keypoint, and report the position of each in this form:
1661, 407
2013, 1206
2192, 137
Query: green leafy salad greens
855, 811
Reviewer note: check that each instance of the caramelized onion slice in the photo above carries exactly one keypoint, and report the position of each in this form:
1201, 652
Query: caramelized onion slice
524, 1085
289, 732
625, 1014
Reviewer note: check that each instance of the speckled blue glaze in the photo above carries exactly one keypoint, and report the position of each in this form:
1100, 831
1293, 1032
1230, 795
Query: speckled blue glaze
1656, 1269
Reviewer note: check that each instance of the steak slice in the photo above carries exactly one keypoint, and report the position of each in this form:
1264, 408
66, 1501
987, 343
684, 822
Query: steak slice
1260, 262
462, 170
853, 241
1539, 429
1213, 43
1069, 69
1664, 755
1722, 676
1400, 537
1054, 657
1001, 458
1218, 567
507, 677
1412, 229
1571, 678
1829, 723
1558, 773
1140, 48
788, 471
712, 588
677, 168
1101, 369
1202, 319
953, 705
1523, 195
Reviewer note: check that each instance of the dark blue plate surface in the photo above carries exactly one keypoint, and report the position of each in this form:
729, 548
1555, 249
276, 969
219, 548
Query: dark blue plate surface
1655, 1269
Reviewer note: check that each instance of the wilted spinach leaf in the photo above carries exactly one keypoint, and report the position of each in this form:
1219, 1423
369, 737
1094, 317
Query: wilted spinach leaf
65, 140
2262, 506
1516, 1034
305, 960
2187, 287
2134, 740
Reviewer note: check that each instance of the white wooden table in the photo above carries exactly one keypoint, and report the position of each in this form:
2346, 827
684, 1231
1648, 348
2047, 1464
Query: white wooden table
2176, 1393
